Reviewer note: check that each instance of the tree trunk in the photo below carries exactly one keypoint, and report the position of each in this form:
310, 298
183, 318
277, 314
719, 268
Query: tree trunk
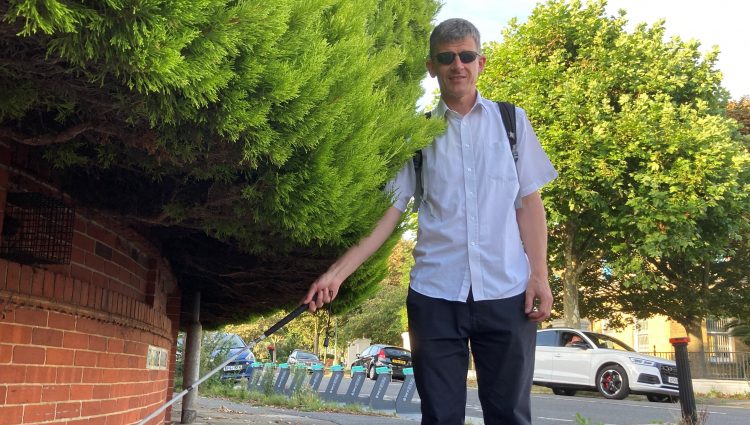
698, 359
275, 341
570, 301
316, 337
571, 313
192, 366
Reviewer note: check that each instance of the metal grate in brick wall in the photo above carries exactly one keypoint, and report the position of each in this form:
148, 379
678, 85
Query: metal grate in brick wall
37, 229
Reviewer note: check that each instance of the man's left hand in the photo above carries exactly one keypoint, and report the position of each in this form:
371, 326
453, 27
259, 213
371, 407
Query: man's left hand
538, 290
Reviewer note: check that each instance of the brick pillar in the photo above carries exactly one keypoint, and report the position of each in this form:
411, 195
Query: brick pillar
173, 313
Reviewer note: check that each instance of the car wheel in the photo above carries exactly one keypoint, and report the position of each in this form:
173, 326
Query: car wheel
612, 382
564, 391
371, 373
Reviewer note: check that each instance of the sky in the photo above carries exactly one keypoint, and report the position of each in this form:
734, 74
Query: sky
725, 23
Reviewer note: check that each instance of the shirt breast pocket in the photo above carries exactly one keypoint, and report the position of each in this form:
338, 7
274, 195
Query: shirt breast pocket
499, 165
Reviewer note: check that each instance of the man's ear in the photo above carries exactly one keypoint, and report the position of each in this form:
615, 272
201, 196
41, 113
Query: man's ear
482, 60
430, 68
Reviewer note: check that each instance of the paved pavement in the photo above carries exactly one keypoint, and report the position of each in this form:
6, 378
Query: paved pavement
211, 411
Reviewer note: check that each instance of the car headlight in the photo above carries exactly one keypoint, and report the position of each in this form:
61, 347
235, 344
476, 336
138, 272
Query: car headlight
642, 362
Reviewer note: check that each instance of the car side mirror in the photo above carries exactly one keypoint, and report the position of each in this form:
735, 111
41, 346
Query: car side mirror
359, 356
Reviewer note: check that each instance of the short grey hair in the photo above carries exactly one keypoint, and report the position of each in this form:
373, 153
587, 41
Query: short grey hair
451, 30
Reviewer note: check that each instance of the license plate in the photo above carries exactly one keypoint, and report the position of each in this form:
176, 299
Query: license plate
672, 380
233, 367
397, 361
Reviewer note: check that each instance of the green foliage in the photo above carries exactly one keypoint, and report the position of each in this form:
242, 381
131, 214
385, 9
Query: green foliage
582, 420
382, 317
266, 381
303, 399
739, 110
271, 126
653, 181
213, 352
299, 333
740, 329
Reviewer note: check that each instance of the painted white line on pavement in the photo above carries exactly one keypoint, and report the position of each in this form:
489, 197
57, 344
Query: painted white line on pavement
618, 403
554, 419
658, 406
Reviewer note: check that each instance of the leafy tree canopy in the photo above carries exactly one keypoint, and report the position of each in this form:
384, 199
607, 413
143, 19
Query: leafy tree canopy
251, 139
653, 180
740, 111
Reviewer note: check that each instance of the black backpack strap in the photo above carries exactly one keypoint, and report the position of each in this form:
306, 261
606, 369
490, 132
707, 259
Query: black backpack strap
418, 189
418, 186
508, 114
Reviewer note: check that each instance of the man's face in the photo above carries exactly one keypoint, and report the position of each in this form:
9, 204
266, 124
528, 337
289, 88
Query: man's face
457, 79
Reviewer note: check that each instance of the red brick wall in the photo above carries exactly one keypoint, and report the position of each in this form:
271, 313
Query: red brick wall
74, 338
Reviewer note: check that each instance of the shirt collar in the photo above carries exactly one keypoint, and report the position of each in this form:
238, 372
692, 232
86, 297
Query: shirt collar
441, 109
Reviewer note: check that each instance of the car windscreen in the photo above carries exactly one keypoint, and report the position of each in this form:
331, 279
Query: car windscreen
606, 341
397, 352
229, 341
306, 356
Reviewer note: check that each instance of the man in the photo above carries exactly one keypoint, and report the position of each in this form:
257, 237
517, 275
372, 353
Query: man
480, 272
575, 339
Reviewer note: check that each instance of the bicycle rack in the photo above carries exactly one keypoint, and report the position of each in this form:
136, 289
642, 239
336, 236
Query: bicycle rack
337, 375
355, 386
298, 376
281, 378
376, 400
316, 377
377, 396
406, 393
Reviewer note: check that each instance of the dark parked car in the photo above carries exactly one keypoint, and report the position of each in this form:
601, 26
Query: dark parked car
227, 345
303, 357
220, 346
379, 355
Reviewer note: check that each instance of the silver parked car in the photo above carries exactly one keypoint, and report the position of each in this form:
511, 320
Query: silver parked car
568, 360
304, 357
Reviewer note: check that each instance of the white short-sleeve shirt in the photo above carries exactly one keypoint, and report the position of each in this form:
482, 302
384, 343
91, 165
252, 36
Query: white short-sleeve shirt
468, 236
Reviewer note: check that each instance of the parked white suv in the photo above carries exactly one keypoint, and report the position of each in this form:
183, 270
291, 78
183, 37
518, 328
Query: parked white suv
568, 360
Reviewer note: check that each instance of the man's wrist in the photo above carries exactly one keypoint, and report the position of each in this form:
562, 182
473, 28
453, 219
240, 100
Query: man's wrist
539, 275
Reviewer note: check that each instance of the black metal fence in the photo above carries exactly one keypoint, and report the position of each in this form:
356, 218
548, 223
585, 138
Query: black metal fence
731, 365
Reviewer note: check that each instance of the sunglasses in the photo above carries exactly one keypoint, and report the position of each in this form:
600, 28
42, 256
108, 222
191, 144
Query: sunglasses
447, 58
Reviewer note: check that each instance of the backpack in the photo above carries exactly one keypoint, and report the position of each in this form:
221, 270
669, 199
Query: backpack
508, 114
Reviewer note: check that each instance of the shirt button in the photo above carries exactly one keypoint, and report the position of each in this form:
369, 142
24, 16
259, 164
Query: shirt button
473, 243
466, 145
468, 169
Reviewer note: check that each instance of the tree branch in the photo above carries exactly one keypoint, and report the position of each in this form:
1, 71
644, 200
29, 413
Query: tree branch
46, 139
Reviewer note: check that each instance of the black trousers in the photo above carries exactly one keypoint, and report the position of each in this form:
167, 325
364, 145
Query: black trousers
502, 341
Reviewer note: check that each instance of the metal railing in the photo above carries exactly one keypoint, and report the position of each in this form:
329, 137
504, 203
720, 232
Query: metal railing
732, 365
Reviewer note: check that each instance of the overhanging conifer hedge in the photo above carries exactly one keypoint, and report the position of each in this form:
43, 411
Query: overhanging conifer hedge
250, 139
